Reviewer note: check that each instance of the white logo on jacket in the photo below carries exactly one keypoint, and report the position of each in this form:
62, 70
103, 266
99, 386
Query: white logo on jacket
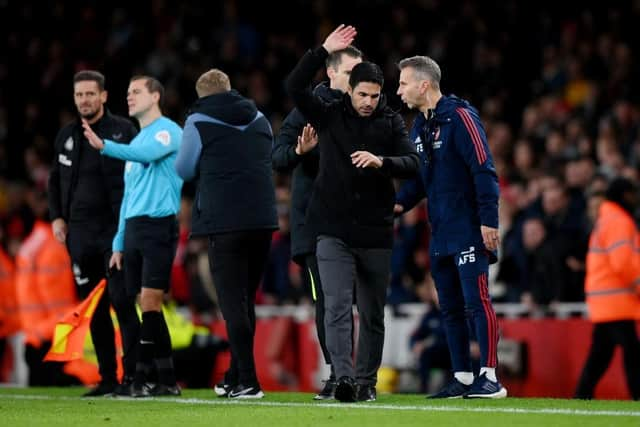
467, 256
418, 143
64, 160
68, 144
163, 137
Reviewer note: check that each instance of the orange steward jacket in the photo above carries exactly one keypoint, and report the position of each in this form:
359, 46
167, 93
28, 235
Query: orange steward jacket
612, 283
8, 315
45, 288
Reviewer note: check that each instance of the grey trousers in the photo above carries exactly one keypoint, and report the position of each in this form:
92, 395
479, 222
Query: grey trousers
340, 267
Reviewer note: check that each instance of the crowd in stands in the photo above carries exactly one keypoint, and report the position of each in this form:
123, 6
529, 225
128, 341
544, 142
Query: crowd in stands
555, 84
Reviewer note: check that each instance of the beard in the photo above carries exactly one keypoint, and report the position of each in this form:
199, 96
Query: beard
91, 115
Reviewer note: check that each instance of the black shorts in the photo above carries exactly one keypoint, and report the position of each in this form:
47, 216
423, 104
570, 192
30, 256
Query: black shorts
149, 249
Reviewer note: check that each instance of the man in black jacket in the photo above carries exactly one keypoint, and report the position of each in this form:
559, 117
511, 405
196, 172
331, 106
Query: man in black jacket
227, 145
289, 153
363, 144
85, 192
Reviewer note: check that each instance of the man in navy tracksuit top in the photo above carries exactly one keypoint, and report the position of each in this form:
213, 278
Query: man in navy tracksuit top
227, 146
458, 178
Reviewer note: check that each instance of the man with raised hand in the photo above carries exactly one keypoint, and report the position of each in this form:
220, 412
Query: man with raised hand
298, 152
148, 230
363, 145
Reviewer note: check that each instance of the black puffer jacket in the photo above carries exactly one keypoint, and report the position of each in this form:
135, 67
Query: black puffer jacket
305, 170
353, 204
235, 190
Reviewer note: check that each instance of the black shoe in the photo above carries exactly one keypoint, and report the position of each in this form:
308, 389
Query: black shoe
483, 387
166, 390
222, 389
328, 391
141, 389
124, 389
102, 389
346, 390
246, 392
367, 393
453, 390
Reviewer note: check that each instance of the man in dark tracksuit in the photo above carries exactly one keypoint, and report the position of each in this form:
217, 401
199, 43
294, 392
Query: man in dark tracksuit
458, 178
289, 154
85, 192
227, 146
363, 144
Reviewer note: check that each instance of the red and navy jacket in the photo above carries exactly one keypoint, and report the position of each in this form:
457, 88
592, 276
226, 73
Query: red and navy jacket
457, 176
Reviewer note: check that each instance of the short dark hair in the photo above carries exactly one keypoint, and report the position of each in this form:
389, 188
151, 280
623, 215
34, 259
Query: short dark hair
366, 72
152, 84
335, 58
90, 75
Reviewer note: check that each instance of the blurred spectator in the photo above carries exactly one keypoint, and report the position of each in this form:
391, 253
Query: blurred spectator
613, 294
428, 342
45, 291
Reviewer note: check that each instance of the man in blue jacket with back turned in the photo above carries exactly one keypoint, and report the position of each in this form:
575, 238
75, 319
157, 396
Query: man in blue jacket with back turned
458, 178
227, 147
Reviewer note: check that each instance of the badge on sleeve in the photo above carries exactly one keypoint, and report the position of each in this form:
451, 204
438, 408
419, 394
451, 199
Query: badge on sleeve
68, 144
163, 137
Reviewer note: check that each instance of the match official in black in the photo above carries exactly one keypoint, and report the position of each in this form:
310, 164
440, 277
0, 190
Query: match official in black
226, 146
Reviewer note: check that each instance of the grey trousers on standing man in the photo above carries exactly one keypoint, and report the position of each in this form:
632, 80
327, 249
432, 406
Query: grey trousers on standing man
340, 267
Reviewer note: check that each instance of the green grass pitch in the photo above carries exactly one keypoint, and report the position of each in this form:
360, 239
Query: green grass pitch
64, 407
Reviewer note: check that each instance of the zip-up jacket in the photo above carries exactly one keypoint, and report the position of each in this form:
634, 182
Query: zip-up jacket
227, 146
100, 200
457, 175
151, 185
352, 204
45, 287
612, 282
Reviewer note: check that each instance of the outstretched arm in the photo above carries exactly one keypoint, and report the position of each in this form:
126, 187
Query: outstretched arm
299, 80
147, 151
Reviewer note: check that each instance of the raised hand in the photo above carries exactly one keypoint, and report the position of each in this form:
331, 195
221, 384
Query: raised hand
307, 140
91, 136
340, 38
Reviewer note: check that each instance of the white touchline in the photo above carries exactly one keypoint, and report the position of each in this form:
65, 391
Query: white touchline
218, 401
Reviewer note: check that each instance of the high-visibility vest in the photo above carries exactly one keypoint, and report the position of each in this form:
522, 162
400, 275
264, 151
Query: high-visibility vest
9, 323
612, 282
45, 288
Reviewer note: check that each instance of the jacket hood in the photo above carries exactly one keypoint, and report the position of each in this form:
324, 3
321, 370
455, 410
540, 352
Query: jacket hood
324, 91
229, 107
